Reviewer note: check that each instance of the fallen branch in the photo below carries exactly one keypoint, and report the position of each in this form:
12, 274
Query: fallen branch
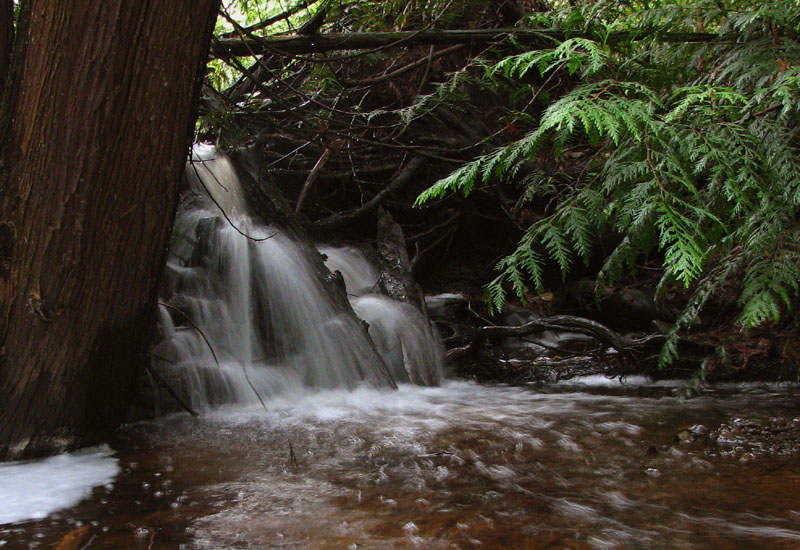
399, 180
478, 336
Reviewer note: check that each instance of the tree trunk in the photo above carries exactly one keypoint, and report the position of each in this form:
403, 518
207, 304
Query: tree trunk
6, 41
98, 124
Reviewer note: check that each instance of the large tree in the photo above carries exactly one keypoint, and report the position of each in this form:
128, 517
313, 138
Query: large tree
95, 122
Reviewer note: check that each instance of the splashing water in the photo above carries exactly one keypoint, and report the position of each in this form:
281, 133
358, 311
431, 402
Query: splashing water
245, 316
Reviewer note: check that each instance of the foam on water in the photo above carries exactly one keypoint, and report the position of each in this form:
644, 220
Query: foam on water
35, 489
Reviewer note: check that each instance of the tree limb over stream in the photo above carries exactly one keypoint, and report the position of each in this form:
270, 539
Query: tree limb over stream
329, 42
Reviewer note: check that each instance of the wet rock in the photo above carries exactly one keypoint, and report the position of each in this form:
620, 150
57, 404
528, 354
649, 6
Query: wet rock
700, 464
693, 434
653, 473
750, 438
396, 278
675, 452
698, 430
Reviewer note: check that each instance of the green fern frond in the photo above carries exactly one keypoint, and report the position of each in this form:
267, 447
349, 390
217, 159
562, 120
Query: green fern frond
463, 180
576, 54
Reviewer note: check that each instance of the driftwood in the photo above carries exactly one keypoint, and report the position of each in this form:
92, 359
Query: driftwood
625, 346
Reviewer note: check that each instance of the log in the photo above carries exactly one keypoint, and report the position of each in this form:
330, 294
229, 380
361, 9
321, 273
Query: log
543, 38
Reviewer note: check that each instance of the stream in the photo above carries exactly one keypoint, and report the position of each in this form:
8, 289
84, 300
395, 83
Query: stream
301, 442
589, 463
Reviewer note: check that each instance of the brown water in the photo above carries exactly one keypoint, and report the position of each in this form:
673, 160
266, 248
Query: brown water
462, 466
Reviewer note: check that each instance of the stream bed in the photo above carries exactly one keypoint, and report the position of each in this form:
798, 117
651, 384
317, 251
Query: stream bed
591, 463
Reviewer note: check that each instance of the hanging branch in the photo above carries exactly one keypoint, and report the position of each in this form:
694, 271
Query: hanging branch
224, 214
213, 354
194, 326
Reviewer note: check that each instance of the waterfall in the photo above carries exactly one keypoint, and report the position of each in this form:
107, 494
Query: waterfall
406, 341
244, 315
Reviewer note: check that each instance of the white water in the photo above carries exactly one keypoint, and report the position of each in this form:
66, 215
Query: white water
569, 465
35, 489
247, 317
405, 339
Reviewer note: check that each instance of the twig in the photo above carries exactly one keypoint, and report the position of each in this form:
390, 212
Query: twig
89, 542
194, 326
402, 70
252, 387
312, 176
224, 214
163, 383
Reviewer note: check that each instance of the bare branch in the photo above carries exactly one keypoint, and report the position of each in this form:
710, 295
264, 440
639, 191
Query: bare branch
312, 176
272, 20
163, 383
399, 180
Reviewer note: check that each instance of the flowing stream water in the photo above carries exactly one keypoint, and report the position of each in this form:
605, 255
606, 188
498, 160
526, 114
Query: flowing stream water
572, 465
303, 443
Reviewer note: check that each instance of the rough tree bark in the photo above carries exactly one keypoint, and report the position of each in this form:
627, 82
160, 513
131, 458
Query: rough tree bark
95, 136
6, 40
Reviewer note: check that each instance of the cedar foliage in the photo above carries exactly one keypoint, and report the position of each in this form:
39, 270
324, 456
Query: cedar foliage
677, 151
694, 153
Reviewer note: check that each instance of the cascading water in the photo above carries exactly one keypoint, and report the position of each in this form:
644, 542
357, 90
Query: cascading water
407, 343
244, 315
